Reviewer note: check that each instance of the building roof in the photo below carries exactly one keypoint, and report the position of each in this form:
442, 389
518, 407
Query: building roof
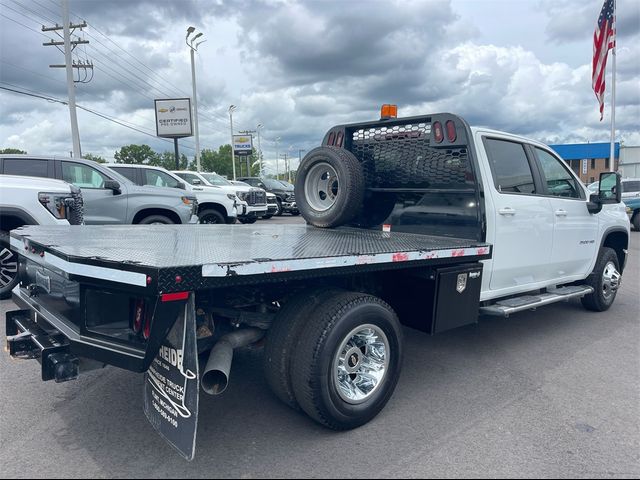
579, 151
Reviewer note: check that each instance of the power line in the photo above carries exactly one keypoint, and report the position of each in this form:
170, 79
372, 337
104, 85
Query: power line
32, 93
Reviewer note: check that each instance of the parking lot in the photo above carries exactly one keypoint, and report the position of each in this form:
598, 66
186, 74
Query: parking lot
547, 393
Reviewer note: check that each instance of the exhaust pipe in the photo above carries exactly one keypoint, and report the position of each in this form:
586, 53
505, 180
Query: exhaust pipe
216, 374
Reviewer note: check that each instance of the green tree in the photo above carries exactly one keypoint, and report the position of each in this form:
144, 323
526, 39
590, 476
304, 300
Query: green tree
217, 161
12, 150
168, 160
95, 158
140, 154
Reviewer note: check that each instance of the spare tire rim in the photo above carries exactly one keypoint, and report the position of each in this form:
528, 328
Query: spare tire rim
361, 363
8, 266
321, 187
610, 280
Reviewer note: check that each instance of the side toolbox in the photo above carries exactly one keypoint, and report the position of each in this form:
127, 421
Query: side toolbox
438, 299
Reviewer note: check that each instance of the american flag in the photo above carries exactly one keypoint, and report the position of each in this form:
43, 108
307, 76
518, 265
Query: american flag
604, 39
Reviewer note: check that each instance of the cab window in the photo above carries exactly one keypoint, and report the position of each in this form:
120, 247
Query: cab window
26, 166
157, 178
82, 175
560, 183
509, 166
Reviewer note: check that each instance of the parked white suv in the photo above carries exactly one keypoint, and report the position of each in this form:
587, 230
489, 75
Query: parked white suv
32, 201
252, 201
214, 206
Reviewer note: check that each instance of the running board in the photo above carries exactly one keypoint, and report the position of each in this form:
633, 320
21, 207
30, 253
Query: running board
504, 308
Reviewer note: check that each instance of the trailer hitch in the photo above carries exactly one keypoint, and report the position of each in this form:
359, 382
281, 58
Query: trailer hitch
27, 339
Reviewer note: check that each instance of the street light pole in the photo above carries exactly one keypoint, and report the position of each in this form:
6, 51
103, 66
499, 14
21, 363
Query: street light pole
233, 157
193, 49
258, 127
300, 150
277, 172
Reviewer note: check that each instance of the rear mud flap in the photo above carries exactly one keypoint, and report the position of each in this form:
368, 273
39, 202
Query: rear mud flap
171, 387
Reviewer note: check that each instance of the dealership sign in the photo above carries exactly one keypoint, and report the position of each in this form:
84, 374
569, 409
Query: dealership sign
242, 144
173, 118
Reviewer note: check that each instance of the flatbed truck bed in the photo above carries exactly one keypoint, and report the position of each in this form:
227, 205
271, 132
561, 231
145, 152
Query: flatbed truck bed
209, 256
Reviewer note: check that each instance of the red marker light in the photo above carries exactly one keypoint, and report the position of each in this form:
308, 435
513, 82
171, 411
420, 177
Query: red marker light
173, 297
451, 130
438, 135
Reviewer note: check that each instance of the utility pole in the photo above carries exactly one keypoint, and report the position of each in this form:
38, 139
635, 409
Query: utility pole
277, 172
285, 156
300, 157
248, 132
69, 65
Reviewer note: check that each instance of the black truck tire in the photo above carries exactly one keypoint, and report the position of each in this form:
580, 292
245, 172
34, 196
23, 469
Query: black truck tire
211, 216
279, 210
329, 187
605, 280
151, 219
347, 360
248, 220
282, 338
636, 220
8, 267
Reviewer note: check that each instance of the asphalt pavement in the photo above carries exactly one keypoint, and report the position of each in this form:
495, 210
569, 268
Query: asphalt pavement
553, 393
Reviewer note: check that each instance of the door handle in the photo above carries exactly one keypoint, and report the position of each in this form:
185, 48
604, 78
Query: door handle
507, 211
561, 213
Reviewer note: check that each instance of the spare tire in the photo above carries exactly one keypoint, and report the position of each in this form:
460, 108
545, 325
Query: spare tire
329, 187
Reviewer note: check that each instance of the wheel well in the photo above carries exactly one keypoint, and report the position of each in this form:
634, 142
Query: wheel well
619, 241
156, 211
213, 206
9, 222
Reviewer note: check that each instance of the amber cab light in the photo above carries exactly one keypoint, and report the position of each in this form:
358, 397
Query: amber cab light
388, 111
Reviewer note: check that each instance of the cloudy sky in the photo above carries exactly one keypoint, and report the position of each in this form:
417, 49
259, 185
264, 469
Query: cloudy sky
299, 67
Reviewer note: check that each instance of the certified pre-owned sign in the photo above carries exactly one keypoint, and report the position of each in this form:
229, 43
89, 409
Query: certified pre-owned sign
173, 118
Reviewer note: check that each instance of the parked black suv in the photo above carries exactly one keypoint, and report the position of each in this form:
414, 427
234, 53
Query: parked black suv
285, 196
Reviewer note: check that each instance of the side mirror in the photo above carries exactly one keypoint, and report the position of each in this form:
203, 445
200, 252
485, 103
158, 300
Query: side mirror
609, 191
181, 186
195, 182
113, 185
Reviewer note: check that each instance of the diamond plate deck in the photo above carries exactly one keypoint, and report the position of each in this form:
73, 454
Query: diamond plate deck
230, 250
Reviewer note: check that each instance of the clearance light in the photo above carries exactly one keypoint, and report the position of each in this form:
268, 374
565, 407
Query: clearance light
339, 139
332, 138
388, 111
438, 135
451, 130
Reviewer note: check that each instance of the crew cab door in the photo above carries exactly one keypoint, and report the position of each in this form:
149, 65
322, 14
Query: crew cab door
101, 205
575, 229
519, 219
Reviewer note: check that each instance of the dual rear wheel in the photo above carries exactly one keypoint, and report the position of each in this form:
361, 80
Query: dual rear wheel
336, 355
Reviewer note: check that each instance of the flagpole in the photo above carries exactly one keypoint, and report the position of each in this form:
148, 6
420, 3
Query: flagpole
612, 167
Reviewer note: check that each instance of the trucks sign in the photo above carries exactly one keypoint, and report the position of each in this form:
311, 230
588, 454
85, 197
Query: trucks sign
173, 118
242, 144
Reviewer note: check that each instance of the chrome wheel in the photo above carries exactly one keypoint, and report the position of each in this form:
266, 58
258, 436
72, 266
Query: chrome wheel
8, 266
361, 363
321, 187
610, 280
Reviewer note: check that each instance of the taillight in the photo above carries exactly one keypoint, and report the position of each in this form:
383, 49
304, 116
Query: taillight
146, 332
332, 137
339, 140
451, 130
438, 135
138, 315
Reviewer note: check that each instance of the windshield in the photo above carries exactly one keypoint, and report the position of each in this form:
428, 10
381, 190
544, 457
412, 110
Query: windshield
286, 184
272, 184
215, 179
